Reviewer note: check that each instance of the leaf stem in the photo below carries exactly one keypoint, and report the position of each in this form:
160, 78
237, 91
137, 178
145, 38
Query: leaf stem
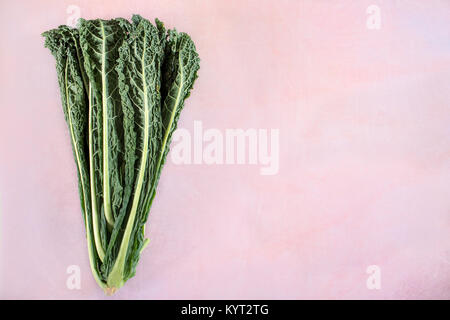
106, 190
95, 224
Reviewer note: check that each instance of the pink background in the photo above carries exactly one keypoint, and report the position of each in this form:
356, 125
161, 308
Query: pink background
364, 174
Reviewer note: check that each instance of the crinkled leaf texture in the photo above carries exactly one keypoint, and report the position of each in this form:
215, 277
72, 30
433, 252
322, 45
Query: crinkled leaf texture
123, 85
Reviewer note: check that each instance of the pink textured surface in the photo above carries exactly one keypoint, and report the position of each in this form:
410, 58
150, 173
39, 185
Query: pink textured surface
364, 173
